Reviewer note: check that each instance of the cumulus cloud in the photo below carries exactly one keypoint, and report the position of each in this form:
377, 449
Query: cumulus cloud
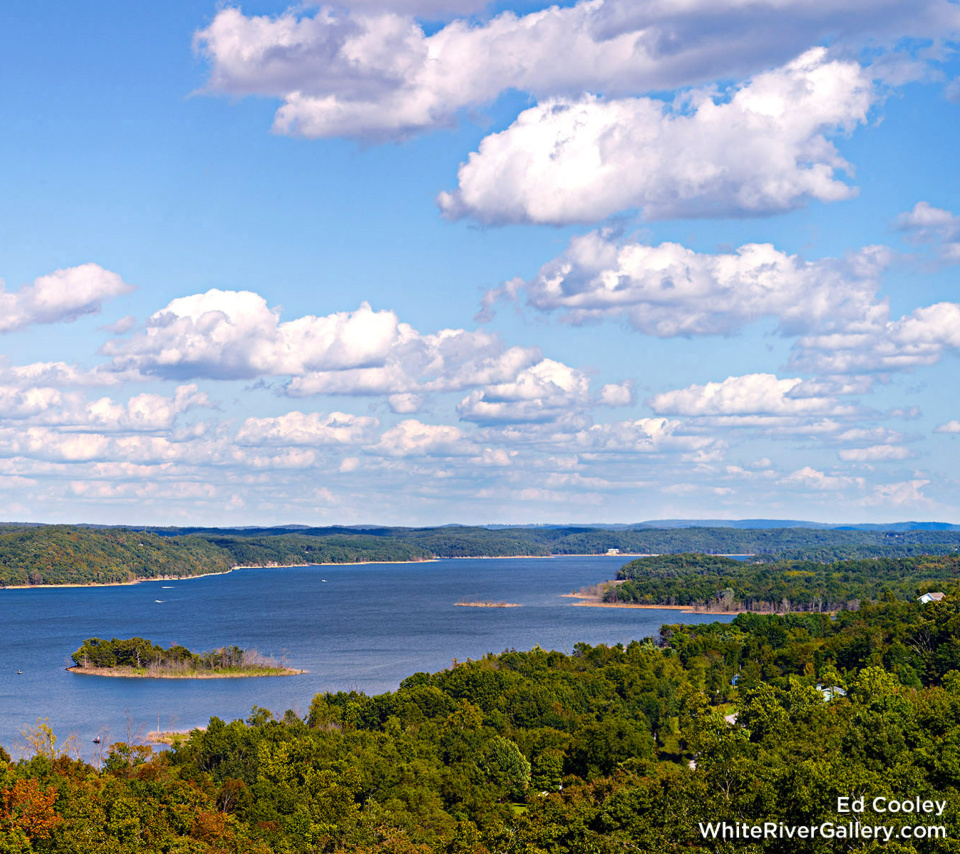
72, 411
405, 404
427, 9
616, 394
906, 493
875, 454
949, 427
764, 149
144, 412
643, 436
543, 392
373, 72
933, 226
811, 479
414, 438
449, 360
232, 335
880, 345
670, 290
751, 394
59, 297
61, 375
308, 428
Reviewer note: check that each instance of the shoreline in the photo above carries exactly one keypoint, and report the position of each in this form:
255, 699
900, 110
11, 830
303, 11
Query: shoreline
130, 673
686, 609
300, 566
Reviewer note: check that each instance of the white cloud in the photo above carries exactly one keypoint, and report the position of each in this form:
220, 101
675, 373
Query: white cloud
543, 392
907, 493
873, 435
349, 464
763, 150
751, 394
144, 412
61, 375
881, 345
372, 72
427, 9
874, 454
952, 91
936, 226
669, 290
643, 436
72, 411
59, 297
121, 326
413, 438
616, 394
17, 402
313, 428
405, 404
448, 360
949, 427
812, 479
495, 457
234, 335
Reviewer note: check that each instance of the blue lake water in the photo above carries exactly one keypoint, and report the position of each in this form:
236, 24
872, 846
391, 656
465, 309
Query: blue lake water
359, 628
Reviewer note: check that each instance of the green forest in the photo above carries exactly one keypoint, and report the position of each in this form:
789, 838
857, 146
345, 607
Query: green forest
141, 656
721, 583
610, 749
64, 554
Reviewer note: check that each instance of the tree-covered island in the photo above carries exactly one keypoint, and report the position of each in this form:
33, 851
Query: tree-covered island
138, 657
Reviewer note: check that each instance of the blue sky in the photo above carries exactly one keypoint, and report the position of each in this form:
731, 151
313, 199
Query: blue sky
431, 261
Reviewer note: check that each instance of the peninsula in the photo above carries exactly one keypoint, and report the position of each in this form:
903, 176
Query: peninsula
140, 658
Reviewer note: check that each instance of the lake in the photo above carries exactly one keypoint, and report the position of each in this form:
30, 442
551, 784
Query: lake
361, 628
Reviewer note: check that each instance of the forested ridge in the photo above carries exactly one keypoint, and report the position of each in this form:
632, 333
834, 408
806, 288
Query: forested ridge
610, 749
716, 582
64, 554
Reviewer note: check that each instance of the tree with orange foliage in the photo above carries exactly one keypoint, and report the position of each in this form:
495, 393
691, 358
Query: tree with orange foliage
28, 808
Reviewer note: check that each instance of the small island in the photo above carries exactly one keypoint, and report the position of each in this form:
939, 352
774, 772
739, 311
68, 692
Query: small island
141, 658
487, 604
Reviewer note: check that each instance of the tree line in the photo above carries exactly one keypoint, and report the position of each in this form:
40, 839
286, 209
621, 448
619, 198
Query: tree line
720, 583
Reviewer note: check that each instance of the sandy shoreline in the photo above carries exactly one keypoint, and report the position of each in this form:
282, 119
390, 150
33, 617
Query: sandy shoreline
686, 609
129, 673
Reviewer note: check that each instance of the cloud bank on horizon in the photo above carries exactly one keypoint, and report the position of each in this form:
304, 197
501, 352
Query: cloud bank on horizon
708, 275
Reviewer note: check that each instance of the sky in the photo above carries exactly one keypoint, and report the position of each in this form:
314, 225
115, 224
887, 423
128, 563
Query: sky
418, 262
